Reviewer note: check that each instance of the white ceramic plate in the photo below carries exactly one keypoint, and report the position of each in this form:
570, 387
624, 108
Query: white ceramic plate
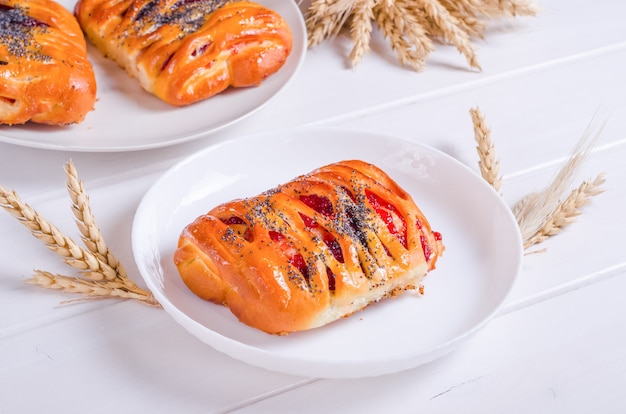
473, 278
128, 118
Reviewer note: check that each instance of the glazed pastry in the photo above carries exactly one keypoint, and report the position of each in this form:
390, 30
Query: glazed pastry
311, 251
184, 51
46, 76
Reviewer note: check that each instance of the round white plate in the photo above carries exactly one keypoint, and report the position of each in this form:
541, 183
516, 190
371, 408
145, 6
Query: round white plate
480, 264
128, 118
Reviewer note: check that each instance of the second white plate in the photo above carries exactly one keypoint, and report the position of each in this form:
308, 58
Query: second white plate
473, 278
127, 118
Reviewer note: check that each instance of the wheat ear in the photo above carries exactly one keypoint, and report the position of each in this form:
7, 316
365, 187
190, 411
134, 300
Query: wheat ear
94, 241
325, 18
361, 29
535, 210
566, 212
488, 164
451, 30
406, 35
102, 274
54, 239
86, 223
411, 31
91, 290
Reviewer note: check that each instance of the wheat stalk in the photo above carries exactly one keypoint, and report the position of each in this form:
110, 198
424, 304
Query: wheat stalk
86, 223
489, 166
541, 215
407, 37
93, 240
102, 275
54, 239
450, 30
90, 289
361, 29
469, 23
536, 209
325, 19
410, 25
566, 212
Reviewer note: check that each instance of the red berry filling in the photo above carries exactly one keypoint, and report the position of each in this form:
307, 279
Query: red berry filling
425, 246
323, 206
296, 259
327, 238
239, 226
318, 203
390, 216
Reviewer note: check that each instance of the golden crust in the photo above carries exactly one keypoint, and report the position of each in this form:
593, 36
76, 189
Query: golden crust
185, 51
311, 251
46, 76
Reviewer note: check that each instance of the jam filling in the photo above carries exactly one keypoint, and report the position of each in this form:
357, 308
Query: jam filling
323, 206
296, 259
390, 216
240, 227
425, 246
318, 203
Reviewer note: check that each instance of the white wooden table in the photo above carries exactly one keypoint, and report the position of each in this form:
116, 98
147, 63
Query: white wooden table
558, 344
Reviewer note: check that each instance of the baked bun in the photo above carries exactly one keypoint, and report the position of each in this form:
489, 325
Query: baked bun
311, 251
46, 76
184, 51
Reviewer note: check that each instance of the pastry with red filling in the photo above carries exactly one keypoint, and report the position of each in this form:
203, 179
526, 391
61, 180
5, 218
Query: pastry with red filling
315, 249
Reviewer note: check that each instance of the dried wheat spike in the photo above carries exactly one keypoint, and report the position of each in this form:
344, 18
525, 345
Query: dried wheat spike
566, 212
54, 239
361, 29
102, 274
86, 223
90, 289
410, 25
450, 30
325, 18
400, 24
536, 209
489, 166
